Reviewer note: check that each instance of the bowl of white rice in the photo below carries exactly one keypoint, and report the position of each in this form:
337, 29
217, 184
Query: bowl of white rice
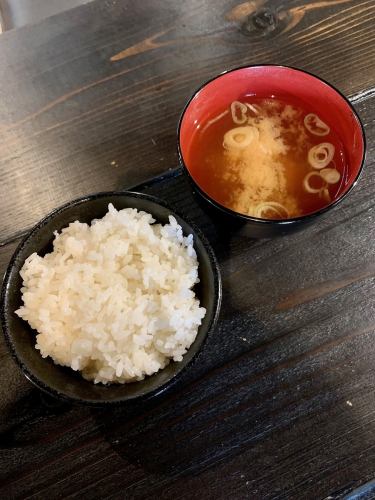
109, 299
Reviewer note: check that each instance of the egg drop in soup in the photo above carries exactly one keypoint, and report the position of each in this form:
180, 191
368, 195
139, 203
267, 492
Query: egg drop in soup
268, 158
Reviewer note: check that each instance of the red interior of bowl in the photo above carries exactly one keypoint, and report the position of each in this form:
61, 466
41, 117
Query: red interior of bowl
281, 81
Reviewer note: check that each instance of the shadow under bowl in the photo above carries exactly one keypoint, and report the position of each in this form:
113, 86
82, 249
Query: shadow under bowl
63, 382
286, 83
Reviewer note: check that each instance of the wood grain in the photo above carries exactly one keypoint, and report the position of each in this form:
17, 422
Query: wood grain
255, 417
102, 112
281, 404
278, 399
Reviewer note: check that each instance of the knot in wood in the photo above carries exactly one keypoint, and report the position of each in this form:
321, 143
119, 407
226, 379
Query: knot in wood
264, 21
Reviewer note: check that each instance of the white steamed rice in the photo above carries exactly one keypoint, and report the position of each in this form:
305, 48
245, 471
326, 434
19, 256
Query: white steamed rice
114, 299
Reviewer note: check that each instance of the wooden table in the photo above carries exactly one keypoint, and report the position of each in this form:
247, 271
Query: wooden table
282, 403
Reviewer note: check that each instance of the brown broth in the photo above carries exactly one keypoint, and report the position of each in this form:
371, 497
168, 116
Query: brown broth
270, 172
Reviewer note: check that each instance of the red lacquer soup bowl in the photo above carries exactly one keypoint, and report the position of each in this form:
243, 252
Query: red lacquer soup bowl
269, 81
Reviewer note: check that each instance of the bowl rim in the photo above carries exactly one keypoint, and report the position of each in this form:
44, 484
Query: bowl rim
4, 293
258, 220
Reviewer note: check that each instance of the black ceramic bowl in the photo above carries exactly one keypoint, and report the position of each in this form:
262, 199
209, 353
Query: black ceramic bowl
61, 381
284, 82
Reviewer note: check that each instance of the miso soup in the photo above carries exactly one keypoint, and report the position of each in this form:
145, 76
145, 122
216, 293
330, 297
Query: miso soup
269, 158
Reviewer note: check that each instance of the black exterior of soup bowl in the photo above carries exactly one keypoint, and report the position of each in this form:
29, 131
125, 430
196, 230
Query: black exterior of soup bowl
247, 225
63, 382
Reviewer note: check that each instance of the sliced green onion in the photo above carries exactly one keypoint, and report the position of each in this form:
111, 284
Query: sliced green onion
330, 175
240, 137
239, 112
315, 125
307, 185
321, 155
273, 206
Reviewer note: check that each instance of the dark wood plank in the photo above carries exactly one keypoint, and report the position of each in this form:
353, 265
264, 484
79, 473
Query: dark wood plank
90, 98
6, 252
281, 404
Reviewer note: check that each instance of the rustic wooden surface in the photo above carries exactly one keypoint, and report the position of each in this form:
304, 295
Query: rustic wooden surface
282, 403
